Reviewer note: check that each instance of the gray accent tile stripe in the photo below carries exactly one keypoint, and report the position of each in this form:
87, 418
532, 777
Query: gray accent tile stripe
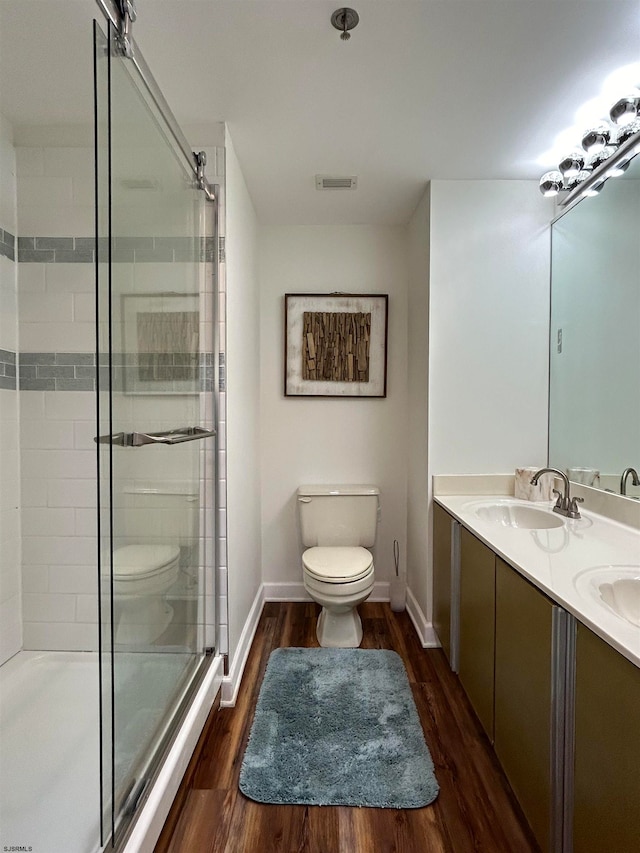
81, 250
50, 371
7, 245
55, 250
57, 371
7, 369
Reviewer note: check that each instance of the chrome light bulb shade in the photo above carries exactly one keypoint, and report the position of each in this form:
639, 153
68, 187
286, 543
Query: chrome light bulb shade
625, 110
551, 183
572, 165
596, 139
573, 181
601, 157
627, 131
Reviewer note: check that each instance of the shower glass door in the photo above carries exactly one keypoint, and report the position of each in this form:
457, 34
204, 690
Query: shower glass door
156, 436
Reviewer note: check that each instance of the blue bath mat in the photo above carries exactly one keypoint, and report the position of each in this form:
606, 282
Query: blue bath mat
337, 727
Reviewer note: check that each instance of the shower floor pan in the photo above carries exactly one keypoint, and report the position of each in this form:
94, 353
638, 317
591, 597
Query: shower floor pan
49, 752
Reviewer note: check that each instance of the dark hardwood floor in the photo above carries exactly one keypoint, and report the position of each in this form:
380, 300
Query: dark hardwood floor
475, 810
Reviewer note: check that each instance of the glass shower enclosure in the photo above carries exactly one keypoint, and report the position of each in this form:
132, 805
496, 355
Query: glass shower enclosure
156, 436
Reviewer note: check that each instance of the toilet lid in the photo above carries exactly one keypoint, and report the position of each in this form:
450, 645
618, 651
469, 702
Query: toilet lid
137, 560
337, 564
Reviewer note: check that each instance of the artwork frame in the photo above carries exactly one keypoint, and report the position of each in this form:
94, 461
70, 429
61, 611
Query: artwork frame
147, 370
335, 344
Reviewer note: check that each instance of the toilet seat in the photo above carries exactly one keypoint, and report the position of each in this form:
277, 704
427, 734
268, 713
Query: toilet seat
337, 565
136, 562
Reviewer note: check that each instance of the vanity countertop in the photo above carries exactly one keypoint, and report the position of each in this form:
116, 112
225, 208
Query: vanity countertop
567, 563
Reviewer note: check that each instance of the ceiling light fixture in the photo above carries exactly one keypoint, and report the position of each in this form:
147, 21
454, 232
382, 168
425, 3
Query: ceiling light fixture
345, 19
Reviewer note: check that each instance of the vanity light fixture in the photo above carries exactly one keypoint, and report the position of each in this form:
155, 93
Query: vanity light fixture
608, 151
575, 180
627, 131
572, 165
592, 190
596, 139
625, 110
617, 169
551, 183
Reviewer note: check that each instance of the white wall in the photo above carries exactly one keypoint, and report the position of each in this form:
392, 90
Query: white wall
310, 440
489, 314
418, 379
488, 327
242, 401
10, 579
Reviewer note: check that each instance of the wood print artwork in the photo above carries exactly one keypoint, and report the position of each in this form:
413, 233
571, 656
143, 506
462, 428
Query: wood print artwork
335, 346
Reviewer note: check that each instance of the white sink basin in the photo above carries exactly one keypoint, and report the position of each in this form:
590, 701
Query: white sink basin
618, 587
623, 596
518, 515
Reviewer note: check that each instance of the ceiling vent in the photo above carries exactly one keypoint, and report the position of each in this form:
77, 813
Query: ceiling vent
327, 182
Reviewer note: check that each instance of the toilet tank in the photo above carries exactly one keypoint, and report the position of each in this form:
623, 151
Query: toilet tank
338, 514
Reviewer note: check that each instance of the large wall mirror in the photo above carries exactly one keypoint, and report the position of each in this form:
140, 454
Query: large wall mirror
594, 405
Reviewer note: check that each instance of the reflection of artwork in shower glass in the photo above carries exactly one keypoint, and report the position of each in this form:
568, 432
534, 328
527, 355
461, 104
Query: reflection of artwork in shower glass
167, 346
335, 346
161, 343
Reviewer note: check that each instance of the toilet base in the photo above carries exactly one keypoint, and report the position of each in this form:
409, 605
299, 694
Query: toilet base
339, 629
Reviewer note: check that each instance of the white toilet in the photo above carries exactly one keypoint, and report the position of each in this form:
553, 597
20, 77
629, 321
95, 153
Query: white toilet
338, 525
142, 574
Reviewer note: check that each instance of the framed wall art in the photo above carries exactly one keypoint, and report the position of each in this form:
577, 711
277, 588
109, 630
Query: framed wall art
335, 345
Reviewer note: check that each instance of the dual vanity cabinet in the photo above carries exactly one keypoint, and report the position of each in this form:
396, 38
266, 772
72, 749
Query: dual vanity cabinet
560, 706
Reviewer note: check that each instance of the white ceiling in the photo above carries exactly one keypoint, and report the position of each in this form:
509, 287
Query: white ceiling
432, 89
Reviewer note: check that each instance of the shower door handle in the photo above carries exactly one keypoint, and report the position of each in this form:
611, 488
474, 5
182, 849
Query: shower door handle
171, 436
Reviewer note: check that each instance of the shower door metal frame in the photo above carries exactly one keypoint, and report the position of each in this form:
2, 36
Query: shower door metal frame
196, 162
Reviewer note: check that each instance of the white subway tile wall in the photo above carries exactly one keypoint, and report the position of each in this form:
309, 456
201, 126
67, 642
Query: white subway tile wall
10, 579
58, 520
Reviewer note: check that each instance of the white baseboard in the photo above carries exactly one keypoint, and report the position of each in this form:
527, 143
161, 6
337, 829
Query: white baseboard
424, 629
295, 591
231, 682
380, 592
292, 591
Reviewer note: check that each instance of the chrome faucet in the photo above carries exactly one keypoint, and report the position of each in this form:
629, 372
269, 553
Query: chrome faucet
635, 479
565, 505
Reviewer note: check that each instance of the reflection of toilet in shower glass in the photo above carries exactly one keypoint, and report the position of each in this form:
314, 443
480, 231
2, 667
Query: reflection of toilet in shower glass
142, 575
